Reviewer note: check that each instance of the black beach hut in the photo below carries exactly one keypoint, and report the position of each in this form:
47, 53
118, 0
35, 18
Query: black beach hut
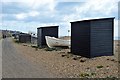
24, 38
92, 38
46, 31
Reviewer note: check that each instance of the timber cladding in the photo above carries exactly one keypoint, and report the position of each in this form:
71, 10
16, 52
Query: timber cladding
24, 38
46, 31
92, 38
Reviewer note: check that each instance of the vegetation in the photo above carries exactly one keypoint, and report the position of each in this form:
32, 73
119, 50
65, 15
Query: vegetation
74, 58
82, 60
84, 75
100, 66
25, 45
93, 74
63, 55
36, 47
112, 77
49, 49
46, 48
16, 41
33, 46
52, 49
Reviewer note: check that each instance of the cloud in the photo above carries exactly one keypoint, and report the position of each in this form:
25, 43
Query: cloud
20, 26
64, 8
97, 9
33, 13
25, 27
0, 23
26, 10
34, 4
21, 16
8, 17
13, 8
93, 9
71, 0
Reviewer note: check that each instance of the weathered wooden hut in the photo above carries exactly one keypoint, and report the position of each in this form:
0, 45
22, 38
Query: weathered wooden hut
24, 38
46, 31
91, 38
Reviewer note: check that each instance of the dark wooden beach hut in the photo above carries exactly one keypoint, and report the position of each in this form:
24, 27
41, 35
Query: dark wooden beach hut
46, 31
24, 38
92, 38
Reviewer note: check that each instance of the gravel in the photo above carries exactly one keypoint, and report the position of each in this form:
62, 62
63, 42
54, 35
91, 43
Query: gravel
63, 64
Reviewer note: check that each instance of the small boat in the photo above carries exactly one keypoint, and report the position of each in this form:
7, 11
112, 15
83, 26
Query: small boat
56, 42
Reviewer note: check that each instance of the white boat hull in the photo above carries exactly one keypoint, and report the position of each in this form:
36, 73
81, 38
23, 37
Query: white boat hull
54, 42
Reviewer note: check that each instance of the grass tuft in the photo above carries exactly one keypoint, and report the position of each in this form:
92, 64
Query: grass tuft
93, 74
16, 41
53, 49
100, 66
112, 77
34, 46
50, 49
63, 55
84, 75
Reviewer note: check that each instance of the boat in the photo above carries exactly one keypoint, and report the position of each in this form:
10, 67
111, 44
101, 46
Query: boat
56, 42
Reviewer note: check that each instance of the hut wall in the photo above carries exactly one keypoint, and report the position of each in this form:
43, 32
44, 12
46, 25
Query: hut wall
25, 38
102, 37
46, 31
80, 38
91, 38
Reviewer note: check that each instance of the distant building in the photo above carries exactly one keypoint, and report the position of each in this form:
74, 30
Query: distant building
46, 31
91, 38
33, 40
24, 38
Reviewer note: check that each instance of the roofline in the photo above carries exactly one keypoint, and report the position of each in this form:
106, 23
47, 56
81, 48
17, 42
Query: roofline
47, 27
94, 19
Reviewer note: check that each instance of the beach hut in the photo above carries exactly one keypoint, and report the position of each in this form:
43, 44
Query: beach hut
92, 38
33, 39
46, 31
24, 38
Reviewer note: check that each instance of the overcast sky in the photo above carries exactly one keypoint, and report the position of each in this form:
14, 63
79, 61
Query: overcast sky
27, 15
